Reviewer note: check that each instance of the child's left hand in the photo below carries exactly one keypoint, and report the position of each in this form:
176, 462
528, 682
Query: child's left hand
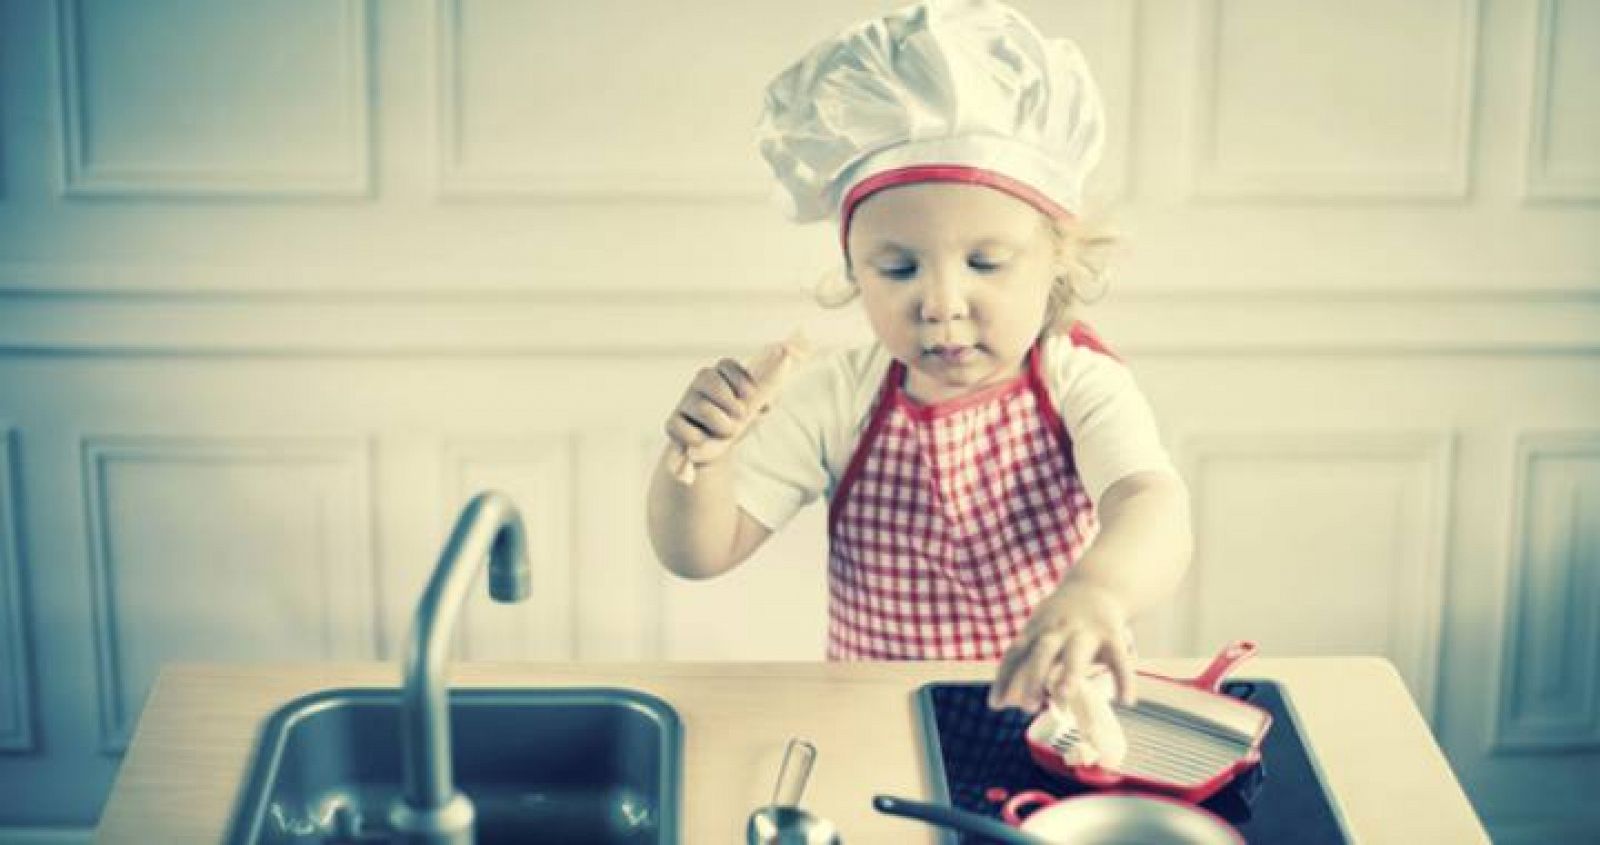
1081, 624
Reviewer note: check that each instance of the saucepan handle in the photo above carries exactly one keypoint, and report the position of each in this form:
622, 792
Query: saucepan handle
1024, 804
955, 819
1223, 663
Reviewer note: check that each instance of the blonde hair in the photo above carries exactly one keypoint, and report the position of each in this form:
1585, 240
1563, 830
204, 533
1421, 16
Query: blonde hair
1081, 265
1080, 262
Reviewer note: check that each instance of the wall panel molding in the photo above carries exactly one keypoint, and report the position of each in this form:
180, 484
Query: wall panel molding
539, 475
1421, 463
1546, 179
85, 177
1147, 322
1212, 178
17, 685
340, 575
620, 590
462, 179
1542, 832
649, 445
461, 175
47, 835
1549, 649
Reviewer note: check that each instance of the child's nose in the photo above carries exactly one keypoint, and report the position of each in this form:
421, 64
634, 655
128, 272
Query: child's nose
945, 298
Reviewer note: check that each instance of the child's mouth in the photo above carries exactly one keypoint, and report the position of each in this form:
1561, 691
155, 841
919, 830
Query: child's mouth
951, 355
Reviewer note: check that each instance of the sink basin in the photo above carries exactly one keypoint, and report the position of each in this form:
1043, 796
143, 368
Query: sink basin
540, 765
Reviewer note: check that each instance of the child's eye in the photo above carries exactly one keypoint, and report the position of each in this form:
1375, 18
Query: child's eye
904, 271
984, 265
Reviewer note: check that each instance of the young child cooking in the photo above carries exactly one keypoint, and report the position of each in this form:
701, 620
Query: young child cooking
996, 485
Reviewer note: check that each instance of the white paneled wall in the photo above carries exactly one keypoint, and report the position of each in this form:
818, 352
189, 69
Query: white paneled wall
1564, 129
132, 72
239, 548
1334, 119
1361, 514
282, 285
1548, 688
16, 679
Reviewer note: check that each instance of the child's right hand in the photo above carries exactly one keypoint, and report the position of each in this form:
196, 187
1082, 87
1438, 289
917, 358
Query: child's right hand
714, 412
721, 403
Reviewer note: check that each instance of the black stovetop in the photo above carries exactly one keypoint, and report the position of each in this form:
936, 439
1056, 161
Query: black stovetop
974, 750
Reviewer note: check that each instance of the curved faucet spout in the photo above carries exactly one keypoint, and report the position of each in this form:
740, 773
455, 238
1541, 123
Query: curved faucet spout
489, 528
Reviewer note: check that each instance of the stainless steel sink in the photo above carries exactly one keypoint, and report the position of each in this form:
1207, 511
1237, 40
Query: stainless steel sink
569, 766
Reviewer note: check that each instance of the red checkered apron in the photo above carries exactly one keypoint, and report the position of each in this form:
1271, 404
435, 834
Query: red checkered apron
953, 520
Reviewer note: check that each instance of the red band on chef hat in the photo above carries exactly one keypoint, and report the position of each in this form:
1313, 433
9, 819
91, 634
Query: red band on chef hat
962, 173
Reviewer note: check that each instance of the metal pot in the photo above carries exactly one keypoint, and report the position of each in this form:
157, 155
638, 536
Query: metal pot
1117, 817
1094, 819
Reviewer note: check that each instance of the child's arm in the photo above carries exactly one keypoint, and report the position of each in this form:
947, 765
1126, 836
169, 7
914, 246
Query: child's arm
1143, 548
1145, 542
698, 529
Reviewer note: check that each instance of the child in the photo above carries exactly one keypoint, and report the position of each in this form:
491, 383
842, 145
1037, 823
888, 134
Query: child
996, 485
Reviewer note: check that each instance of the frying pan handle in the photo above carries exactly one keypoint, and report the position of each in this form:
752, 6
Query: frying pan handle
1236, 653
1023, 804
955, 819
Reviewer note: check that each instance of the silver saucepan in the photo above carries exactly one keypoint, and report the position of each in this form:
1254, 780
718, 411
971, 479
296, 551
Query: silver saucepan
1093, 819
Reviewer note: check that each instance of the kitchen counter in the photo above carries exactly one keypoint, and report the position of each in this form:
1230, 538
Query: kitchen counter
184, 770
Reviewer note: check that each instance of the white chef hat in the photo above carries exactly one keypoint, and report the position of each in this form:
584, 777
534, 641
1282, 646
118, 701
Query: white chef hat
941, 90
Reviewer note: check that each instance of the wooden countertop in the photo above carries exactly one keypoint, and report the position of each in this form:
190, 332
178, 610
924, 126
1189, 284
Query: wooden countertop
183, 772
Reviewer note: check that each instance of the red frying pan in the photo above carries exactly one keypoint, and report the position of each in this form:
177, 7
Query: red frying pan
1185, 737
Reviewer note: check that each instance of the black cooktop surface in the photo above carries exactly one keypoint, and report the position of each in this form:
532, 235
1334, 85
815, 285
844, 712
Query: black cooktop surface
979, 758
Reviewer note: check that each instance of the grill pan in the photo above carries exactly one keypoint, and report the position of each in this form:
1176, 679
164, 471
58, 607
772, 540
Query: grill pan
1185, 738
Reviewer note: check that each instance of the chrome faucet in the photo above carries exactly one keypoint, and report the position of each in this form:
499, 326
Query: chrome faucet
431, 811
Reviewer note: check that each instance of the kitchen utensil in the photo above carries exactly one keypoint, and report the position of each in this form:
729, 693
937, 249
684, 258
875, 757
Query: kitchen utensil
959, 820
767, 370
1185, 738
782, 822
1097, 819
1117, 817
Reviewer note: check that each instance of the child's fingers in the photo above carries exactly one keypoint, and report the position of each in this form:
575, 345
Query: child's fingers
1031, 680
714, 407
1026, 687
1076, 656
738, 378
1006, 672
700, 424
1121, 663
713, 385
708, 416
684, 433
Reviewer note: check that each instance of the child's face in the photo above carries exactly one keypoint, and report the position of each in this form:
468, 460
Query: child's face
955, 280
